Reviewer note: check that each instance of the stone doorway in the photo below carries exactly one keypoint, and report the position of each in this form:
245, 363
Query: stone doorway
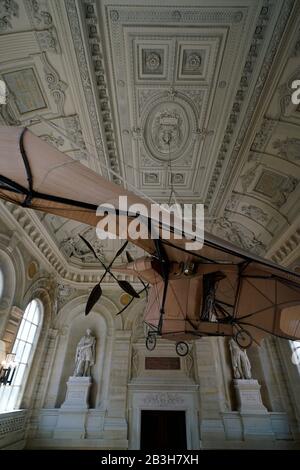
163, 429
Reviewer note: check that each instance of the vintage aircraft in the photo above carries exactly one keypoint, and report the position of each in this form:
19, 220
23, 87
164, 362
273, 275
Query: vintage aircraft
217, 290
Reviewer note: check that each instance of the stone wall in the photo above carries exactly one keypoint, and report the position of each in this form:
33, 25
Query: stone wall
201, 384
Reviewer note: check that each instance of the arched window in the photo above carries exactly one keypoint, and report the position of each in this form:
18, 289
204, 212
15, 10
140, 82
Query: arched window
24, 347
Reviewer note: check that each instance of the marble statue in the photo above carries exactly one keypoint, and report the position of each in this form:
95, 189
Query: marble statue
240, 362
85, 355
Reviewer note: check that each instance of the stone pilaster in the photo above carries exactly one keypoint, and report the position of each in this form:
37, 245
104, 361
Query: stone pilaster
116, 423
211, 423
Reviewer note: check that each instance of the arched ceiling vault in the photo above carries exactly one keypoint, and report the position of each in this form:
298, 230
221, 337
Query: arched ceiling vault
194, 95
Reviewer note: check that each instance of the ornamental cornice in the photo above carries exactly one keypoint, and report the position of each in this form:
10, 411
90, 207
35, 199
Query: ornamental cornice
36, 237
104, 135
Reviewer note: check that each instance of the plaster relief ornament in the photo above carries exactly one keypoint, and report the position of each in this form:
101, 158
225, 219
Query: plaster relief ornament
166, 131
240, 362
8, 9
153, 61
85, 355
193, 61
288, 148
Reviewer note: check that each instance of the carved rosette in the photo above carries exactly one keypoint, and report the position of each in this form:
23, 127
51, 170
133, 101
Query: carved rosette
153, 61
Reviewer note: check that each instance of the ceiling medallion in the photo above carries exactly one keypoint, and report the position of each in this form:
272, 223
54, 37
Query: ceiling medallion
166, 131
193, 61
153, 61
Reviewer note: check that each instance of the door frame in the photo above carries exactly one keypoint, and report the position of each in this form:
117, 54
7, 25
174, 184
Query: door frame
164, 400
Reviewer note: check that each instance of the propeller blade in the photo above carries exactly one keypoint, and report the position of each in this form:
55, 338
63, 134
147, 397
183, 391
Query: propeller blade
126, 306
129, 257
93, 251
93, 298
128, 289
88, 245
120, 251
131, 300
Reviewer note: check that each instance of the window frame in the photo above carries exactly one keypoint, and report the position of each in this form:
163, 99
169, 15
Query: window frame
27, 325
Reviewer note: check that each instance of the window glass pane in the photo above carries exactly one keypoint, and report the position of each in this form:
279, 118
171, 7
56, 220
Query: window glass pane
12, 397
36, 316
14, 349
5, 392
19, 374
21, 328
25, 330
19, 351
23, 347
31, 310
31, 334
26, 353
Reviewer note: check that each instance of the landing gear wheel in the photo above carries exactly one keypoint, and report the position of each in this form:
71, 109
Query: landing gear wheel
182, 348
150, 342
243, 339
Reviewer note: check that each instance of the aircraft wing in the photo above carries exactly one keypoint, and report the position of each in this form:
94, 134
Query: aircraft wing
261, 295
36, 175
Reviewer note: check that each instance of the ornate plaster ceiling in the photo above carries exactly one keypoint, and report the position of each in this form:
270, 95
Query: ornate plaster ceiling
191, 95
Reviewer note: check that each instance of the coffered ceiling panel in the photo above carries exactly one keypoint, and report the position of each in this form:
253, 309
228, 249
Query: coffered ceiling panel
174, 72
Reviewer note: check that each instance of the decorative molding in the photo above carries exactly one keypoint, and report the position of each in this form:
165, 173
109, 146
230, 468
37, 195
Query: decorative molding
161, 399
12, 422
64, 293
74, 247
8, 10
166, 15
263, 135
296, 51
152, 61
74, 129
166, 131
167, 127
48, 40
288, 148
35, 233
135, 363
249, 66
275, 186
286, 249
249, 176
255, 213
42, 22
238, 234
93, 33
189, 365
53, 140
56, 86
39, 16
92, 29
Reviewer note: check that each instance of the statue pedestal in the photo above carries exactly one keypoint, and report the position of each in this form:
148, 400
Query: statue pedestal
71, 422
249, 396
77, 395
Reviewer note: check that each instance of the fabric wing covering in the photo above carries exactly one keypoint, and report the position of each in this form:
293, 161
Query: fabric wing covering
259, 295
